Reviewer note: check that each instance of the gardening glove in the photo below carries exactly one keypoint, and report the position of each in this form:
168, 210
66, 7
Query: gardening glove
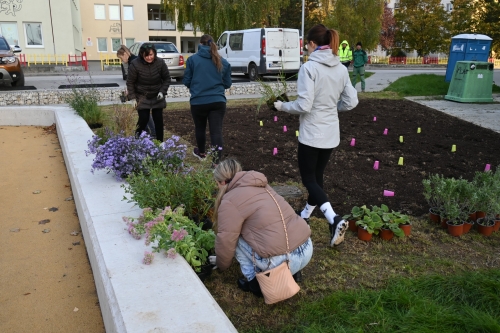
134, 103
212, 259
160, 96
278, 105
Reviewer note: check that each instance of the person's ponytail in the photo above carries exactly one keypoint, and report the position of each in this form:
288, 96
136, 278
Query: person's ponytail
334, 41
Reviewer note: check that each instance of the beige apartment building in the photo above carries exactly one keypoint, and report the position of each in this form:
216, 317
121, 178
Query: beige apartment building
109, 23
42, 26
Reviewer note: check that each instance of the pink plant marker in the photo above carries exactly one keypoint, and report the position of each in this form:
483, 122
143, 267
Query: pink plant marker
487, 167
275, 151
353, 142
275, 118
374, 118
375, 165
388, 193
284, 129
385, 131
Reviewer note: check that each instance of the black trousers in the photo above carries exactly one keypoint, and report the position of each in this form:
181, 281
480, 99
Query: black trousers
214, 114
142, 123
312, 164
346, 64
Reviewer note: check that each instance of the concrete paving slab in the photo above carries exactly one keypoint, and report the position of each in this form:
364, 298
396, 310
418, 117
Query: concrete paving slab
484, 115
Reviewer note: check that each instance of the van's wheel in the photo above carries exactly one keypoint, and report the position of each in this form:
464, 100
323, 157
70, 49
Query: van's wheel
252, 72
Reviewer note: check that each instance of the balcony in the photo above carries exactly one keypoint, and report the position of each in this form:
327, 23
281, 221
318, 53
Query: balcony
161, 25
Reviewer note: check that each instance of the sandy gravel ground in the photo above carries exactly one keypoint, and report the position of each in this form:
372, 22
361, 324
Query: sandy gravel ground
46, 282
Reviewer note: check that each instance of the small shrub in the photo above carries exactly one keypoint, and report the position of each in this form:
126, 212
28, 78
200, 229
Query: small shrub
85, 102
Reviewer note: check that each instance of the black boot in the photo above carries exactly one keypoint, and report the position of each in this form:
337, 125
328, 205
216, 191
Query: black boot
252, 286
297, 277
255, 287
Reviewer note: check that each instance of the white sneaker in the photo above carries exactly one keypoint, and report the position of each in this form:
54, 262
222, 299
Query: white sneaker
337, 230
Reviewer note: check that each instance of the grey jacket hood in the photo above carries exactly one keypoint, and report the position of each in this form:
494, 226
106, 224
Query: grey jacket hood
325, 57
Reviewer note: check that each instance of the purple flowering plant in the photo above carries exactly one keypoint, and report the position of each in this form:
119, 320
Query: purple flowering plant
125, 156
174, 233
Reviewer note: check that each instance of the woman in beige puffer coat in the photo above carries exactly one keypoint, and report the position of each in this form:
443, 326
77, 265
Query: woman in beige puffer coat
248, 222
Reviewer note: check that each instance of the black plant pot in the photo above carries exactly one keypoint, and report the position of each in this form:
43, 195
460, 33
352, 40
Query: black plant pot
207, 223
270, 102
95, 125
205, 272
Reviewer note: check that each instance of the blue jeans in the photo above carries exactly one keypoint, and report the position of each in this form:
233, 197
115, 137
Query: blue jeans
299, 258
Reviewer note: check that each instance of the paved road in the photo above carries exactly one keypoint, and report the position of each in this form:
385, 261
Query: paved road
381, 79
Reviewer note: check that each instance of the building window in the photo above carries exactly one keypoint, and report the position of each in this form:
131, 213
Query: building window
129, 42
102, 44
128, 13
100, 12
160, 20
116, 43
449, 7
33, 35
9, 31
114, 12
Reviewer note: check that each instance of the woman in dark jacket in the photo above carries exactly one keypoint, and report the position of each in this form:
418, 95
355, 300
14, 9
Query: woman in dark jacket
147, 84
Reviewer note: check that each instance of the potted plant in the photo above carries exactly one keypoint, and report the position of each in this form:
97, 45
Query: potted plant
390, 226
357, 214
370, 224
452, 215
487, 202
433, 195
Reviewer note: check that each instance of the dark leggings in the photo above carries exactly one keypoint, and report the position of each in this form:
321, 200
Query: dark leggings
312, 164
214, 113
157, 119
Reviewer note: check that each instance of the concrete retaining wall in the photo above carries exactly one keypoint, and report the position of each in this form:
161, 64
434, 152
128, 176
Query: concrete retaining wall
166, 296
58, 96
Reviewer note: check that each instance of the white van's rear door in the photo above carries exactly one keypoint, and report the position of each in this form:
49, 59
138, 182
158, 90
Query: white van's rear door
282, 49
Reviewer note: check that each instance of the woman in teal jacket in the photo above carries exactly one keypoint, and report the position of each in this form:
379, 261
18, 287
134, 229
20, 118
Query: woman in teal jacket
207, 75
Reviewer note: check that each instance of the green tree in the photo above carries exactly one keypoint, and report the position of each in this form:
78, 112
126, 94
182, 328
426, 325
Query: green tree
463, 18
488, 21
422, 25
215, 16
291, 17
357, 20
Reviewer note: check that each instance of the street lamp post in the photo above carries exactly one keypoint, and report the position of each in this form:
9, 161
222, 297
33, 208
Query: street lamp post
303, 20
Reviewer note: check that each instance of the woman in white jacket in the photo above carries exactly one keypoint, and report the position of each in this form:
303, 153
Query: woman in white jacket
323, 89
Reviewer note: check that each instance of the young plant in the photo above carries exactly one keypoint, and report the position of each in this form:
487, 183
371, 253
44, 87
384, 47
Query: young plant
357, 213
272, 92
372, 223
433, 188
171, 231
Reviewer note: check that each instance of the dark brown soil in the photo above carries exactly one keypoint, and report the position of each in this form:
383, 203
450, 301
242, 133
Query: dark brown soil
350, 178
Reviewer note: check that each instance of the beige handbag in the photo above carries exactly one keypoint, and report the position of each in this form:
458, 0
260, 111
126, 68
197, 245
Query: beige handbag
277, 284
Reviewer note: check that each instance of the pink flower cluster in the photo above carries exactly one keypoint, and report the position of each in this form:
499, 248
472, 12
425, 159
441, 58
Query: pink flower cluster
148, 258
171, 253
178, 235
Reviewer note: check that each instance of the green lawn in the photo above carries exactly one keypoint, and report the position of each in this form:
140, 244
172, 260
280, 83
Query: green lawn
422, 85
469, 302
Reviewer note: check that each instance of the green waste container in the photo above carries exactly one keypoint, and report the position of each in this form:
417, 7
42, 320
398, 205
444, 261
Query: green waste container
472, 81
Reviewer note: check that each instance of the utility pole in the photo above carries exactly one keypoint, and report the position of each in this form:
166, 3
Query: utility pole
52, 28
303, 5
121, 22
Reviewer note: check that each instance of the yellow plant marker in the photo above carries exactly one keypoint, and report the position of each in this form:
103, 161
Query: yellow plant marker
453, 148
401, 139
419, 130
296, 133
400, 162
261, 124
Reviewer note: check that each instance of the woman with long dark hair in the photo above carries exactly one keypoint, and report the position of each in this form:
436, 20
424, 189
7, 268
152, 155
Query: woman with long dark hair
207, 75
323, 89
147, 84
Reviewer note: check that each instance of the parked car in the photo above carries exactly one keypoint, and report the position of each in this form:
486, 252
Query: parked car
11, 72
169, 53
256, 52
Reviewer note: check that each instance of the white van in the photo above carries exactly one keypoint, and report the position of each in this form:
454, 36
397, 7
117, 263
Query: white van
256, 52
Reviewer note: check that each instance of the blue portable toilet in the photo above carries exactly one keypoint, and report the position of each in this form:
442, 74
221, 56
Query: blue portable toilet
467, 47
